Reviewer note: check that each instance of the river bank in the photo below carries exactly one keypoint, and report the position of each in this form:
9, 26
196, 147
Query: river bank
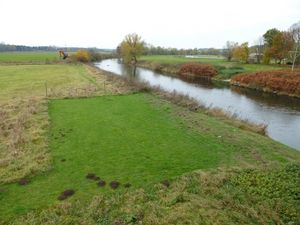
170, 65
277, 82
252, 106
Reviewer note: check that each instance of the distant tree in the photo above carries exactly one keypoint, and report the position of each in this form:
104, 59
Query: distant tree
282, 44
259, 48
229, 48
131, 47
295, 31
241, 53
269, 35
118, 51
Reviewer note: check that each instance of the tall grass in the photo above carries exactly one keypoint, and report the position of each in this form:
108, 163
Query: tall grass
215, 197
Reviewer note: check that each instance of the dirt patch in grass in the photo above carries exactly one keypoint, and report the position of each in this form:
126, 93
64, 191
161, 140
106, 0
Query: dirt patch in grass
114, 184
66, 194
92, 176
96, 178
166, 183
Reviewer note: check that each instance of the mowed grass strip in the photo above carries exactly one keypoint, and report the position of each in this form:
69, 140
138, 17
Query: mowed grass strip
121, 138
28, 56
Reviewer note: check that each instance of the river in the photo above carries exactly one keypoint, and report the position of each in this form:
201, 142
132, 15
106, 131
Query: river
280, 113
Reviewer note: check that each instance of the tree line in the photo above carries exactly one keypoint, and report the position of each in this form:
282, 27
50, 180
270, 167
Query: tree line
153, 50
274, 45
23, 48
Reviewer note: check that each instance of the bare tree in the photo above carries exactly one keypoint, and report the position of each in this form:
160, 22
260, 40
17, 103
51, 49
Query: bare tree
259, 47
229, 49
295, 31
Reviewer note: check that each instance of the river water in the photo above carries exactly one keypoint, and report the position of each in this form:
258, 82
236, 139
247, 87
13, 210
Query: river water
280, 113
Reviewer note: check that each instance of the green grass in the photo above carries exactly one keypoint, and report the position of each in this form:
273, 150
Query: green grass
129, 139
29, 80
226, 69
118, 138
200, 197
28, 56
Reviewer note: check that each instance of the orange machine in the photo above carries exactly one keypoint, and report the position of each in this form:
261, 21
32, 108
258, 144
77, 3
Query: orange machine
62, 54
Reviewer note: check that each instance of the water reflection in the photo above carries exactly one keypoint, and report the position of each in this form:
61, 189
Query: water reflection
282, 114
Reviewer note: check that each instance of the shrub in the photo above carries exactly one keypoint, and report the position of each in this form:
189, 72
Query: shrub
197, 70
82, 56
277, 81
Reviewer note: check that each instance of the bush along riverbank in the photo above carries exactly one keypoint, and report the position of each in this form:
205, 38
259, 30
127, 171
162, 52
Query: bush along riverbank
186, 70
281, 82
278, 82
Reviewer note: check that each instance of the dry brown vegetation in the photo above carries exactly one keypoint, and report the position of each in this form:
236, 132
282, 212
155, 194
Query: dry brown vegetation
197, 69
282, 82
23, 127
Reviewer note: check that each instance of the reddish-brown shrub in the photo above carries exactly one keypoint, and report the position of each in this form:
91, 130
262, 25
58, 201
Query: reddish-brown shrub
198, 69
277, 81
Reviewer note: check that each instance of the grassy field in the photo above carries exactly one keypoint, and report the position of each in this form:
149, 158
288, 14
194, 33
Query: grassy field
201, 197
30, 80
94, 123
24, 116
132, 139
10, 57
226, 69
24, 111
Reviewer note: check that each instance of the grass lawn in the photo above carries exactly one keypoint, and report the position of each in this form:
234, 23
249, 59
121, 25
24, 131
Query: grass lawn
128, 139
118, 138
226, 69
28, 56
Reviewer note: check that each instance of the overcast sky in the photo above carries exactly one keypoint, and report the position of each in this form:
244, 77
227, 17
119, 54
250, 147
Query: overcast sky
168, 23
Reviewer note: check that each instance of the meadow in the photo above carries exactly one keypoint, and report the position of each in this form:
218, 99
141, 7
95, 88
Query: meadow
30, 80
70, 126
22, 57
